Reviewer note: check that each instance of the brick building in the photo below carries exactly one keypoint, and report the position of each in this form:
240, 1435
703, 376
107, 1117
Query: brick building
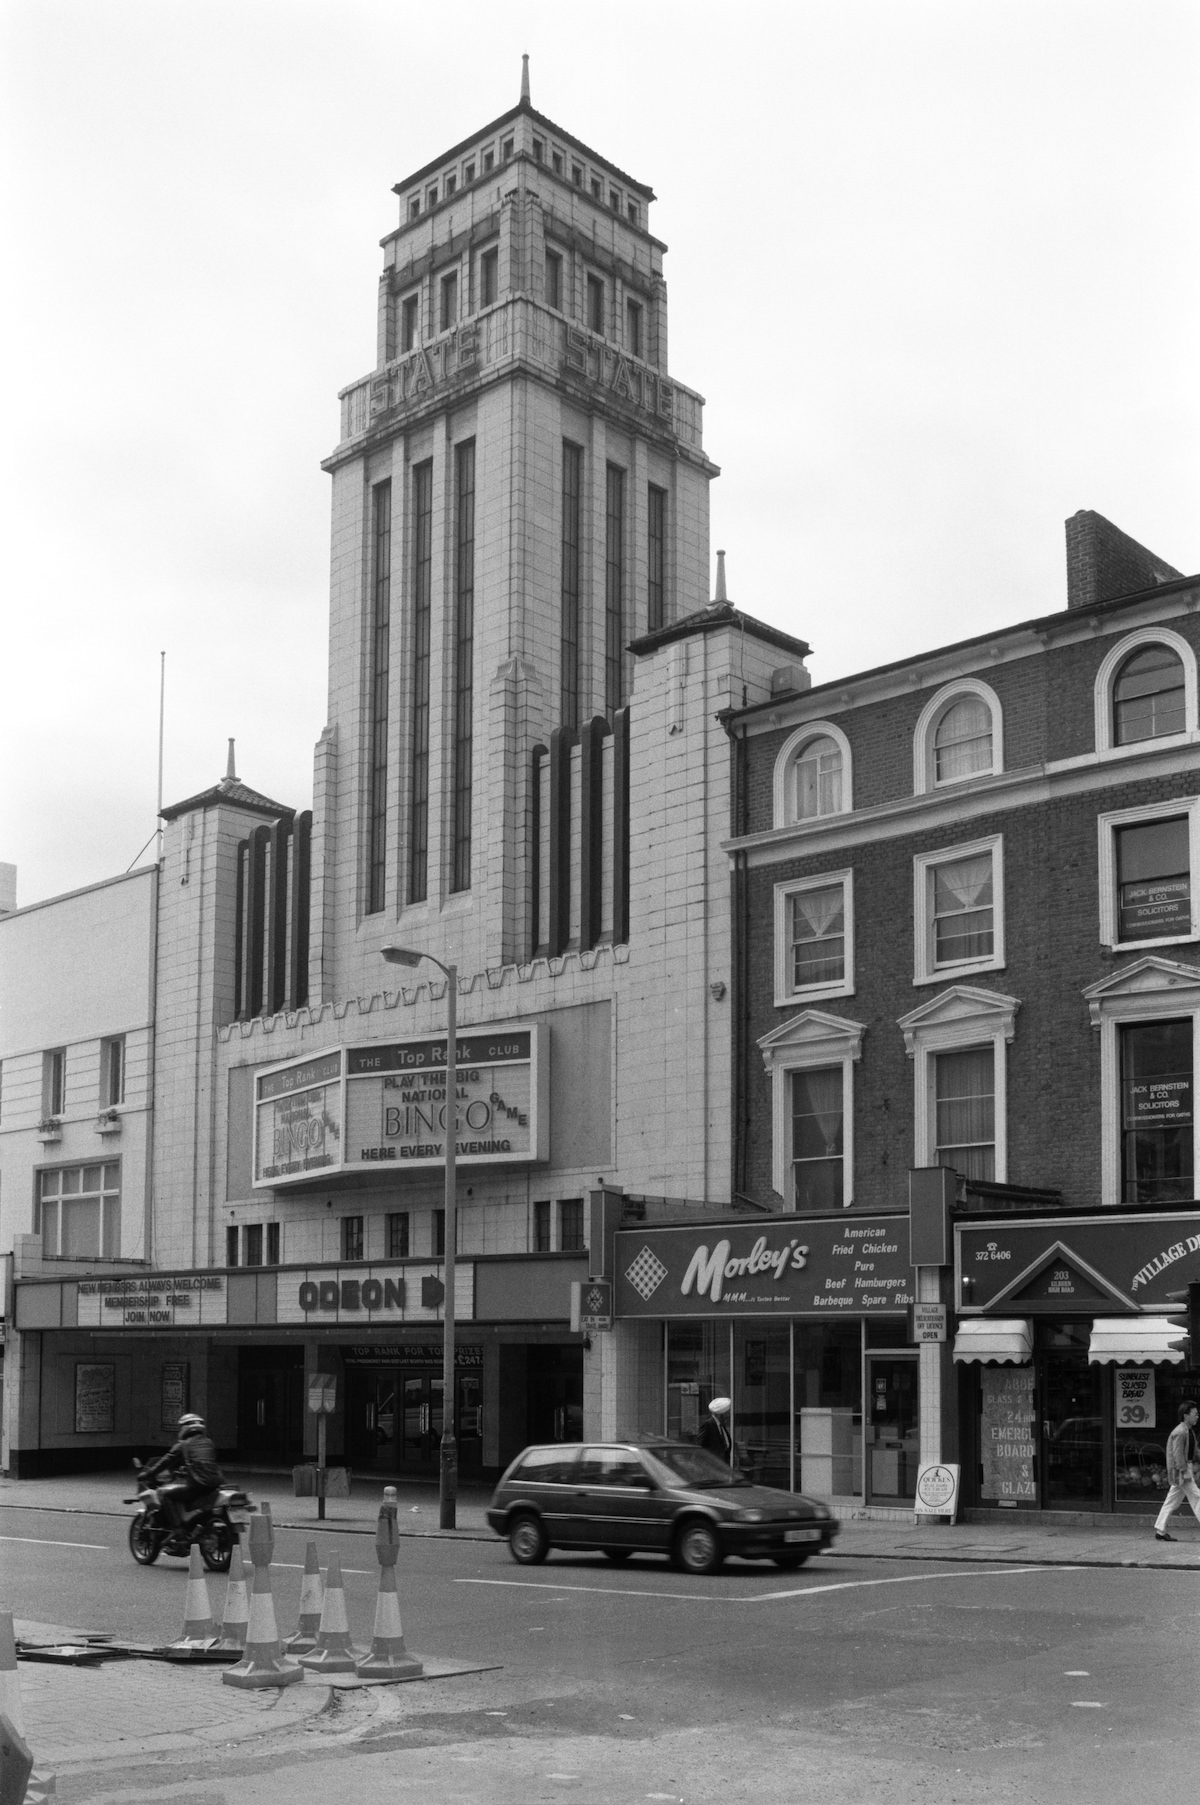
966, 943
523, 774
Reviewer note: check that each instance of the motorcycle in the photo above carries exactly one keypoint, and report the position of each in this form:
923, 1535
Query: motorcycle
207, 1524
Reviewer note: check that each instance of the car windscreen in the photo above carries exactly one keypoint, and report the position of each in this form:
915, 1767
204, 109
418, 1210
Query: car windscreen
691, 1466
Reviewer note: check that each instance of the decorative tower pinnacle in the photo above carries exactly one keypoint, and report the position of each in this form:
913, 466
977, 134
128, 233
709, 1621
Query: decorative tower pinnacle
525, 100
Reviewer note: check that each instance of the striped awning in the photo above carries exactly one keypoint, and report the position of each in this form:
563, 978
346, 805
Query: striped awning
1136, 1341
995, 1339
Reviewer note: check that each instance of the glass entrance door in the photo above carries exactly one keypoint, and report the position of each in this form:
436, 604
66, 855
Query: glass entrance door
890, 1428
420, 1419
1072, 1431
371, 1418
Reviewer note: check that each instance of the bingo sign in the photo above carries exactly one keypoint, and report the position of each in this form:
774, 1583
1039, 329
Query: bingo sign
384, 1106
1135, 1398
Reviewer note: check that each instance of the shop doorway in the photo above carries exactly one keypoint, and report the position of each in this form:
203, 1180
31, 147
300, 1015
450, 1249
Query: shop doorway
271, 1404
1072, 1415
394, 1419
890, 1428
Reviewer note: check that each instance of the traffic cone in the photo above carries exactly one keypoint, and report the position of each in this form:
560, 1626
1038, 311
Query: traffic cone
334, 1652
312, 1597
14, 1754
265, 1663
237, 1606
199, 1631
388, 1659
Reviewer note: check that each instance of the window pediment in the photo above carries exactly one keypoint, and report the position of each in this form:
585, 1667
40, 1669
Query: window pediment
812, 1035
1146, 977
961, 1009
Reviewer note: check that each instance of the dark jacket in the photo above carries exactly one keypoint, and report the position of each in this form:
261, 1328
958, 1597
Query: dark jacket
194, 1459
714, 1435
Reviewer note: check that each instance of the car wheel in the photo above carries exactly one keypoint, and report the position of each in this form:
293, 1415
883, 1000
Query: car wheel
527, 1540
145, 1544
697, 1547
616, 1554
789, 1562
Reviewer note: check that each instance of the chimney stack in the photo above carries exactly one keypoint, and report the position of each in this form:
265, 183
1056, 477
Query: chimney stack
1103, 562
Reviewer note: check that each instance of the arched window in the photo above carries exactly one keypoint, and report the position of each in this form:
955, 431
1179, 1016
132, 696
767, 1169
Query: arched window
812, 775
959, 736
962, 740
1145, 690
1149, 696
818, 779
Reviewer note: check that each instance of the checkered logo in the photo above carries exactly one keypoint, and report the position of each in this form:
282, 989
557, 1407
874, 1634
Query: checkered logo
646, 1274
596, 1301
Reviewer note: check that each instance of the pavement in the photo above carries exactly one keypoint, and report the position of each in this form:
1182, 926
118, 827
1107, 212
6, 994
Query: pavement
81, 1717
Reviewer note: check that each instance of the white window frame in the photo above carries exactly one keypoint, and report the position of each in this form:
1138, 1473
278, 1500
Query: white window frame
924, 762
1151, 989
807, 1043
1106, 677
113, 1061
784, 804
924, 864
108, 1209
960, 1018
1107, 826
54, 1082
785, 991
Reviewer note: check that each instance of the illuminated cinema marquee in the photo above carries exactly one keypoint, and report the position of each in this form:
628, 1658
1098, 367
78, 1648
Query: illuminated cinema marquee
356, 1109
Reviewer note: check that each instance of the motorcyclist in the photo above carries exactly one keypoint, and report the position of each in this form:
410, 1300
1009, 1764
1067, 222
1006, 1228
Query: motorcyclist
192, 1462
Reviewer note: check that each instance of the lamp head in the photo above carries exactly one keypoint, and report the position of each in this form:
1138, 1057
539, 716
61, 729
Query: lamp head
400, 955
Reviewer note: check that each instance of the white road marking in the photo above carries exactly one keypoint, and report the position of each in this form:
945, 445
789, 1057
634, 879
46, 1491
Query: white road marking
1086, 1704
298, 1567
43, 1542
844, 1585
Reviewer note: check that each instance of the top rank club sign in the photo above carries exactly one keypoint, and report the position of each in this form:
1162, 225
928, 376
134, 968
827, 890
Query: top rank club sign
354, 1109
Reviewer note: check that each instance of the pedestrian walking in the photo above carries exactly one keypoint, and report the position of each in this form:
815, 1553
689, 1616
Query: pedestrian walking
1181, 1478
714, 1431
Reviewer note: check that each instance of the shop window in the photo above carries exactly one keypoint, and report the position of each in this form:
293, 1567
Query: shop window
79, 1209
965, 1112
112, 1072
811, 1061
489, 278
958, 736
812, 775
396, 1242
1157, 1113
352, 1237
1145, 690
958, 910
54, 1081
541, 1225
252, 1244
570, 1225
958, 1044
595, 304
1146, 861
814, 937
273, 1249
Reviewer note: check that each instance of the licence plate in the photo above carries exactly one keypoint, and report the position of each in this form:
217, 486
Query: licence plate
802, 1535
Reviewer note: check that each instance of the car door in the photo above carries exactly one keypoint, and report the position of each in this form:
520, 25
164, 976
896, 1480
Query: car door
614, 1500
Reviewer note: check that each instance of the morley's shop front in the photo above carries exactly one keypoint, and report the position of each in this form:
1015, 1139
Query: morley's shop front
803, 1323
109, 1363
1069, 1384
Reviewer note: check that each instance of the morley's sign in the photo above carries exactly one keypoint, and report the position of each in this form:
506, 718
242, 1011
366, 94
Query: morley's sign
777, 1266
1090, 1263
358, 1108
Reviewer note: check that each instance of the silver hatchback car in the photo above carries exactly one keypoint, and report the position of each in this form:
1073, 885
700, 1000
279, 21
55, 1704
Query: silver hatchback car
654, 1496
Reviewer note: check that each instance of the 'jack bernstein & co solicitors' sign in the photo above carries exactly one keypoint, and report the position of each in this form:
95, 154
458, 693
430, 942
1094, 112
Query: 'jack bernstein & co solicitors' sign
359, 1108
787, 1266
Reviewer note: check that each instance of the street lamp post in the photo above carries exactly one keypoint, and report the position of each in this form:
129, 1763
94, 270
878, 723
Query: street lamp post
448, 1454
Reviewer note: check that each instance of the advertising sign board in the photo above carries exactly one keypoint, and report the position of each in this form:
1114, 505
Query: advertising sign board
1101, 1263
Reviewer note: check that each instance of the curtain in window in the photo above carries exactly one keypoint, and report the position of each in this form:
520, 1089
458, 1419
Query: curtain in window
962, 909
817, 1138
819, 779
966, 1112
962, 744
818, 936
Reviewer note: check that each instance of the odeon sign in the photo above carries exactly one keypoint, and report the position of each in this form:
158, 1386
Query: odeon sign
357, 1108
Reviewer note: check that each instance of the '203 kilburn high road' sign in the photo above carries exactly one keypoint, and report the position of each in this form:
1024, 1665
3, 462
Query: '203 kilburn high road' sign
355, 1109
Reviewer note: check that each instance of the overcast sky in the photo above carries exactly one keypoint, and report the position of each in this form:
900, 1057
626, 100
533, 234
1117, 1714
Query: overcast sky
932, 263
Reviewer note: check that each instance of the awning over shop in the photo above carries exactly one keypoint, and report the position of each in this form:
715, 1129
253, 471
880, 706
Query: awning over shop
1136, 1340
997, 1338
